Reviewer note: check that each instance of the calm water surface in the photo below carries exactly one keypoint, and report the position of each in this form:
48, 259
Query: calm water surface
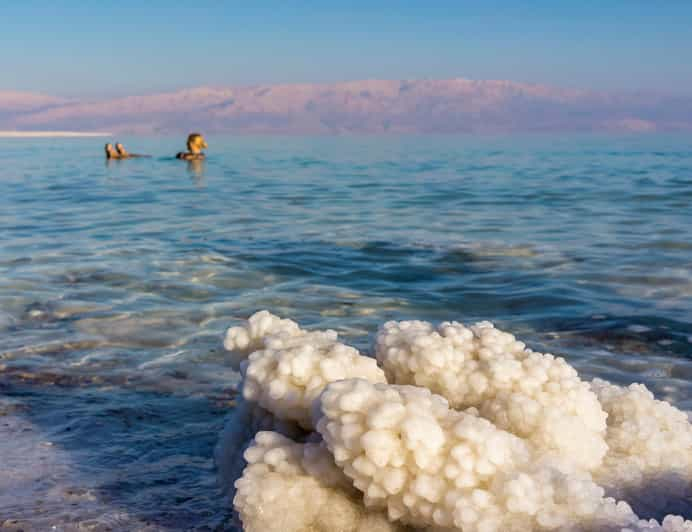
118, 280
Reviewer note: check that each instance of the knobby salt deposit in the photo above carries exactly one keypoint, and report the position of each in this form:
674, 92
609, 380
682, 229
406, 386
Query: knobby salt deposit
458, 428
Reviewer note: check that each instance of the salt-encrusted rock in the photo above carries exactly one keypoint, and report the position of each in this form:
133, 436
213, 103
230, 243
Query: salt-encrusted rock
649, 459
533, 395
619, 518
515, 453
241, 425
426, 464
292, 369
293, 487
242, 340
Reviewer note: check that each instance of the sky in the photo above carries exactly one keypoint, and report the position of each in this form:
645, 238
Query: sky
89, 49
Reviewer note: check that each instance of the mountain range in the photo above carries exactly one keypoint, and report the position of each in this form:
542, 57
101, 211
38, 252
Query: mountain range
370, 106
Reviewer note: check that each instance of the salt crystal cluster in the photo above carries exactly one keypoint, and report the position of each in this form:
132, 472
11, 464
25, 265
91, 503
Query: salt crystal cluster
245, 420
293, 366
242, 340
470, 431
409, 453
292, 487
649, 445
533, 395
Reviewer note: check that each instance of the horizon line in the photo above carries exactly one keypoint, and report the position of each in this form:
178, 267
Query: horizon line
50, 134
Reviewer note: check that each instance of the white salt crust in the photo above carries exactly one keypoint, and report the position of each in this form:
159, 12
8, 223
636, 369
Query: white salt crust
291, 367
244, 421
242, 340
410, 454
504, 463
292, 487
649, 459
533, 395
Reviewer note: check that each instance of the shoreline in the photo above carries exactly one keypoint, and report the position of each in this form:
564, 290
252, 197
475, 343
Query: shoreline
51, 134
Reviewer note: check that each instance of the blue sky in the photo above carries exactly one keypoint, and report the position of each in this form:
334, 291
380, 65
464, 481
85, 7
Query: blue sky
72, 48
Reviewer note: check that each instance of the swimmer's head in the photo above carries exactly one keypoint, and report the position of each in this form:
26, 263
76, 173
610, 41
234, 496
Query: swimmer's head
120, 149
196, 143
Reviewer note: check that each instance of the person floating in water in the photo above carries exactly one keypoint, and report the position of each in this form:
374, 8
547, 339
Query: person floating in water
119, 152
195, 145
124, 154
111, 152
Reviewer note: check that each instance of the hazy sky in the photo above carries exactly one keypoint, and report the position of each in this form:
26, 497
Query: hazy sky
72, 48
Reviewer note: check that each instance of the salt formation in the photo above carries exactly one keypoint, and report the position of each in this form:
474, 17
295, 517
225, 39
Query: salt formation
533, 395
245, 420
291, 367
292, 487
649, 445
244, 339
474, 432
408, 452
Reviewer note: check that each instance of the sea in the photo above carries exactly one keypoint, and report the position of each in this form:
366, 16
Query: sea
118, 280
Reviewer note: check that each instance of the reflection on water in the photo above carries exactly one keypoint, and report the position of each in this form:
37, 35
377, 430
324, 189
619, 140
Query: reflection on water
118, 280
196, 169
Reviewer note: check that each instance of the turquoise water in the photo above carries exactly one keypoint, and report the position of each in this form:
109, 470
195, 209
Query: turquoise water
118, 280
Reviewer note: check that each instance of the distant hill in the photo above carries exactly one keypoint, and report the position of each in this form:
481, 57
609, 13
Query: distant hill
373, 106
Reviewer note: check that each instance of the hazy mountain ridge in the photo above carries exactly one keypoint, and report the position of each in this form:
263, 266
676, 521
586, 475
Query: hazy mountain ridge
371, 106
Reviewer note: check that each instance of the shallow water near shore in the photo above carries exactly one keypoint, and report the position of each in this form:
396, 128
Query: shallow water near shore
119, 279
